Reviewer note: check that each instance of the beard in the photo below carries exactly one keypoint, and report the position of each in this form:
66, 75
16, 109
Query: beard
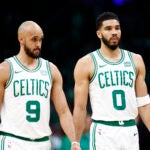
107, 43
30, 53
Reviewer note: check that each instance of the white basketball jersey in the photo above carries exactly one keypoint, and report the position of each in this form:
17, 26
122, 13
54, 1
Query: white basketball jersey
26, 107
112, 88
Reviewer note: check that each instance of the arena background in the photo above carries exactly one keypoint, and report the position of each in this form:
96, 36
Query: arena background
69, 28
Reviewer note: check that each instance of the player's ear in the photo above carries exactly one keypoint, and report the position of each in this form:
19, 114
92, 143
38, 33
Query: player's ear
98, 33
20, 39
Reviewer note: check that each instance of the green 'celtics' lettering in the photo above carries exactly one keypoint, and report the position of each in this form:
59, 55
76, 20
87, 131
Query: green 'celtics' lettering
115, 78
31, 87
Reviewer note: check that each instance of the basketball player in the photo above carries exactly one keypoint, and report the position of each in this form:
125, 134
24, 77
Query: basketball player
114, 78
27, 82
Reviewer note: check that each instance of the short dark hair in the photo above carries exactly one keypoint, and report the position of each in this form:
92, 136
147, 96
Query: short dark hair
105, 16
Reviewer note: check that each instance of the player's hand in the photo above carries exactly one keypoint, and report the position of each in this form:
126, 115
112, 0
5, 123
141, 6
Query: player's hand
75, 146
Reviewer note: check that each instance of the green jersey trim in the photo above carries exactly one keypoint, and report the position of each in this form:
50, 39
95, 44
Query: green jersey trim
112, 63
95, 67
24, 68
11, 73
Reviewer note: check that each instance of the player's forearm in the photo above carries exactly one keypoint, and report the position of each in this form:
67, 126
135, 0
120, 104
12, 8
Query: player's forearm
144, 112
67, 125
79, 122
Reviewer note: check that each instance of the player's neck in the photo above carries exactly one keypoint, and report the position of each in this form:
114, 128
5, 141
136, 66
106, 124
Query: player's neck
111, 55
28, 62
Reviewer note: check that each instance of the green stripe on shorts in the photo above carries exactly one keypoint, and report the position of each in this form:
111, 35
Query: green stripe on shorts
45, 138
122, 123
